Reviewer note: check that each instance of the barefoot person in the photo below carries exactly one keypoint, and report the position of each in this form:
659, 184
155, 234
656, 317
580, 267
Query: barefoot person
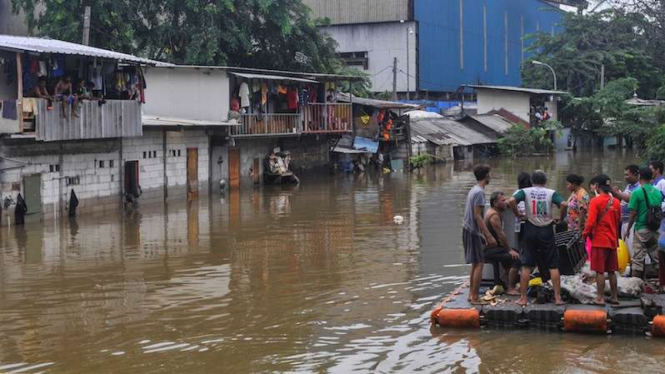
502, 253
602, 227
474, 230
539, 248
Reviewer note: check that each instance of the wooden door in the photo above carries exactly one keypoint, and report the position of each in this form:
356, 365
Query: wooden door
193, 170
234, 167
32, 192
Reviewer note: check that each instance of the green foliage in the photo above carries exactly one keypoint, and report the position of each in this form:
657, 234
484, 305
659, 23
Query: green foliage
420, 160
613, 38
655, 145
249, 33
519, 141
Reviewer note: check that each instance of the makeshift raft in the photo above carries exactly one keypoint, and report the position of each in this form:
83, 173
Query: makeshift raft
639, 316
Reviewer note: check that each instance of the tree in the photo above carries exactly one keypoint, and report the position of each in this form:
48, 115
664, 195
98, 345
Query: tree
613, 38
248, 33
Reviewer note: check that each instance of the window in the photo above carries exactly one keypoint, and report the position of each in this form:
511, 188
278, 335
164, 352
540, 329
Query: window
178, 153
101, 164
154, 154
111, 163
145, 154
355, 59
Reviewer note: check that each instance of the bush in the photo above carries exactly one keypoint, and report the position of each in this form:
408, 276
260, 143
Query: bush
655, 144
420, 160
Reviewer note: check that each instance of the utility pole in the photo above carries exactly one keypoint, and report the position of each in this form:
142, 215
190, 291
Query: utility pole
395, 79
602, 76
86, 25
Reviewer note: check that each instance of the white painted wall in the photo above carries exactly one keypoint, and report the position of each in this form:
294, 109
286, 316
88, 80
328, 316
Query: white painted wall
517, 103
188, 93
383, 42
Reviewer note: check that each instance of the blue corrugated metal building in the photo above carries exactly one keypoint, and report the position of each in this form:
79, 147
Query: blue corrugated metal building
476, 41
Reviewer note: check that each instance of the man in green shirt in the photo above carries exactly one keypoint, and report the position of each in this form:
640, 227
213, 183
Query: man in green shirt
646, 239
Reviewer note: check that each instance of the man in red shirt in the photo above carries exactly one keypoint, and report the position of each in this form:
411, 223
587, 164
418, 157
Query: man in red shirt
602, 227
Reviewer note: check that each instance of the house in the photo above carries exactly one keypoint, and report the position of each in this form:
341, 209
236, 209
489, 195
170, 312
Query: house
492, 124
47, 155
247, 113
436, 46
521, 102
466, 142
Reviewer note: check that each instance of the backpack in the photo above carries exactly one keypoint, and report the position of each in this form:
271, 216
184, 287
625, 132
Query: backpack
654, 214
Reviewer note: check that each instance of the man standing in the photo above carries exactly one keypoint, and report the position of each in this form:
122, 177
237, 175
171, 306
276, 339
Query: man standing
539, 247
602, 227
474, 230
502, 253
646, 238
632, 175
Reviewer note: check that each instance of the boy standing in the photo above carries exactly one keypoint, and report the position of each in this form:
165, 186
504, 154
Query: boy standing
474, 231
602, 227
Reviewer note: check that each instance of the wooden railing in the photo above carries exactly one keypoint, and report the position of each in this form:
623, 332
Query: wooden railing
267, 124
113, 119
327, 118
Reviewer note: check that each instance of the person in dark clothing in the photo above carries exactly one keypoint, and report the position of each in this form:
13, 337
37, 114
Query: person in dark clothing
20, 210
501, 253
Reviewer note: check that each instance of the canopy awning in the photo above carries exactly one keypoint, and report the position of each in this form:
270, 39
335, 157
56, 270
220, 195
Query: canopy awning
183, 122
272, 77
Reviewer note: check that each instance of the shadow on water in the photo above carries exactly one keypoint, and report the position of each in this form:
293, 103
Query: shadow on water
315, 278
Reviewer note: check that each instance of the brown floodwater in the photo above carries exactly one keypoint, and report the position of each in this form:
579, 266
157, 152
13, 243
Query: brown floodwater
316, 278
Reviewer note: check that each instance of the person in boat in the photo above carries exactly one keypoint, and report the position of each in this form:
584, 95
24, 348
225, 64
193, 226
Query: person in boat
474, 231
539, 243
602, 227
578, 202
632, 176
645, 242
502, 253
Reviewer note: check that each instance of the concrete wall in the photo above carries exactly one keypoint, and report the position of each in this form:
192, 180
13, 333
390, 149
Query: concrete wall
517, 103
383, 42
360, 11
93, 169
198, 94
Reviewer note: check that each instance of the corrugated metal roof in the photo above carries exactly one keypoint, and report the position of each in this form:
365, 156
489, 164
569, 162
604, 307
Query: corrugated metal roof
45, 45
272, 77
381, 104
313, 76
182, 122
641, 102
440, 130
535, 91
494, 122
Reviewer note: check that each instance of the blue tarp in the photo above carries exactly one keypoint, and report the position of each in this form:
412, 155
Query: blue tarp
365, 144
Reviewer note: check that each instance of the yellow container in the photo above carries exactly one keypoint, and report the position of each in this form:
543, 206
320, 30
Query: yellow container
623, 256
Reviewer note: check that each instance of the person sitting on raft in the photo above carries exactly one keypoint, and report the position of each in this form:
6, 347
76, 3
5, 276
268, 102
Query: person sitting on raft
602, 227
502, 253
539, 247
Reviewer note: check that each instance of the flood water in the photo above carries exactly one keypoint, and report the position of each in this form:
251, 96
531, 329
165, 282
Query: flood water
310, 279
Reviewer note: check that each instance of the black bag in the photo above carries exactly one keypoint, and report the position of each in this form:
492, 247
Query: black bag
654, 214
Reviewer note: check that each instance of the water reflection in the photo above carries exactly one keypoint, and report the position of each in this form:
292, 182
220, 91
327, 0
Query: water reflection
316, 278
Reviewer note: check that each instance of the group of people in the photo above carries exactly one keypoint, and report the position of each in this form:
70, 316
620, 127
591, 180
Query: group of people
608, 214
65, 92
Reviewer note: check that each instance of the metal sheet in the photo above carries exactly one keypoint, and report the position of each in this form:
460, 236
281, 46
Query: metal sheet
45, 45
272, 77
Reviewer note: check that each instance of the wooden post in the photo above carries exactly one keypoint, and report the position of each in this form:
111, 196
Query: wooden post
19, 96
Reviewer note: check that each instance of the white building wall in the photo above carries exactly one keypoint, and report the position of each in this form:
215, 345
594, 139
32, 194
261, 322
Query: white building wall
176, 167
148, 150
517, 103
185, 92
383, 42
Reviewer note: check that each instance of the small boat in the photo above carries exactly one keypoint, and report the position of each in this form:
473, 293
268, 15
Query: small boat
280, 178
277, 169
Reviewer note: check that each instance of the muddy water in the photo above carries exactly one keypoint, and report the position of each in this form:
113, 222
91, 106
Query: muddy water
308, 279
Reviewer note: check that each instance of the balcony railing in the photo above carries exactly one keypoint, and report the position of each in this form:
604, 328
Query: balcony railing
267, 124
327, 118
113, 119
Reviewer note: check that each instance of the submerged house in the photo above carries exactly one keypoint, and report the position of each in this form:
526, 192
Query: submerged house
245, 114
47, 154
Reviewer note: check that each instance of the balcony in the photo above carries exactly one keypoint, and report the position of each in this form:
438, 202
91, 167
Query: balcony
327, 118
114, 119
256, 125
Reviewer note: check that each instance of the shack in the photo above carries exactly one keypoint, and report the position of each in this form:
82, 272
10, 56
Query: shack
466, 142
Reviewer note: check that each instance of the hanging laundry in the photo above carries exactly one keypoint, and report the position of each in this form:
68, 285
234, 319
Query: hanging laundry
42, 69
244, 95
141, 84
256, 86
264, 93
58, 66
29, 106
9, 109
282, 90
292, 98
